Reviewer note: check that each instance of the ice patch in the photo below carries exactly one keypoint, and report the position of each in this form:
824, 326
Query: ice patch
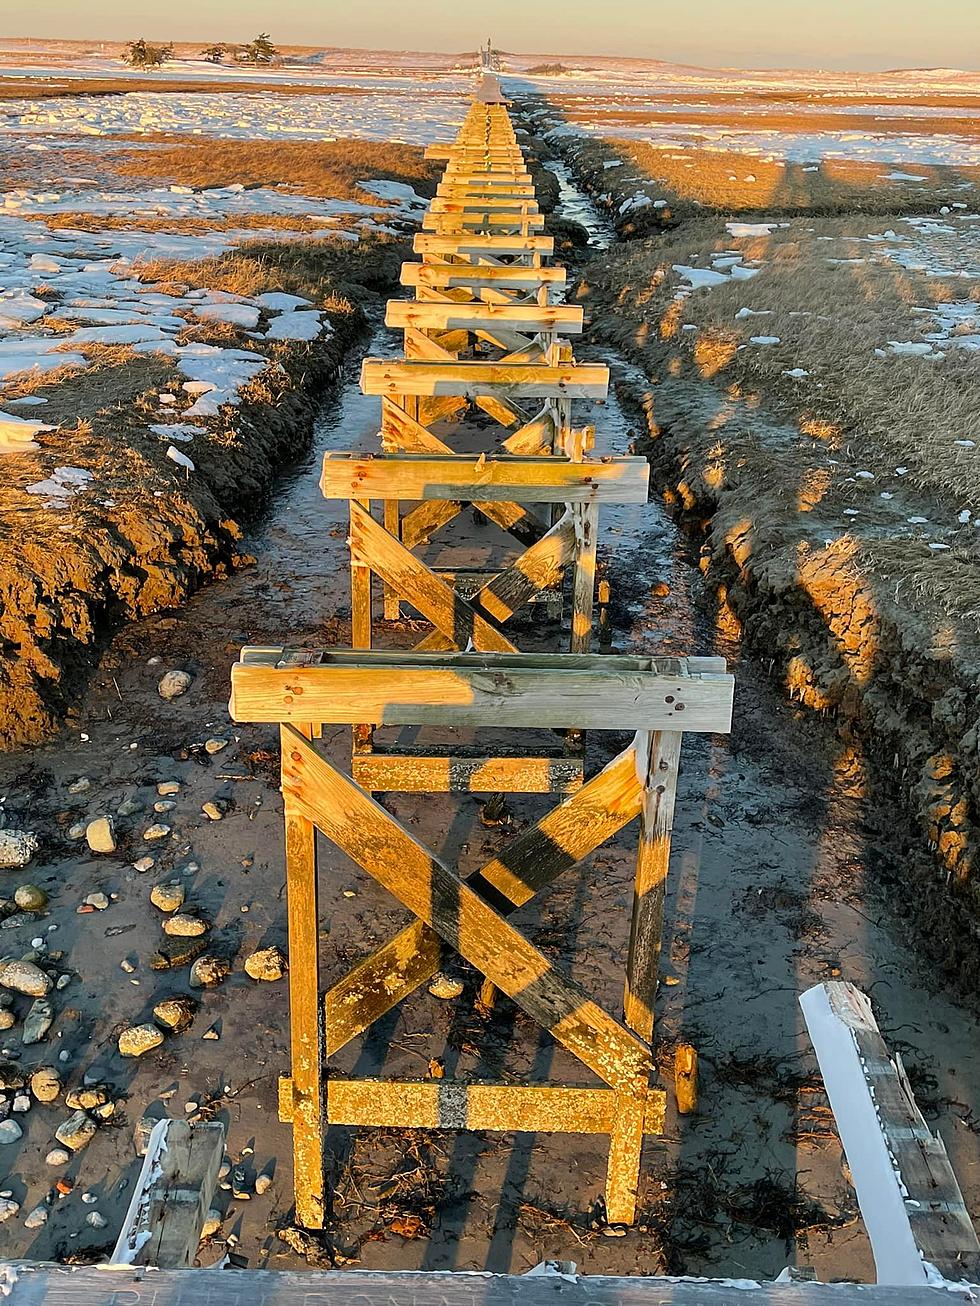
296, 326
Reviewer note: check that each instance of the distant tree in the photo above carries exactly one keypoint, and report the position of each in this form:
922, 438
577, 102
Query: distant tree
261, 50
143, 55
214, 53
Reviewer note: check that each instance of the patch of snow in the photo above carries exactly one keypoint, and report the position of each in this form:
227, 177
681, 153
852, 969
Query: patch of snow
297, 326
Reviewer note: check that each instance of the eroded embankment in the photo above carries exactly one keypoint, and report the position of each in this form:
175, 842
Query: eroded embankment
147, 532
878, 632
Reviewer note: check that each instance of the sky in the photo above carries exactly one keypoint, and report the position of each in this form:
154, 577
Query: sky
839, 34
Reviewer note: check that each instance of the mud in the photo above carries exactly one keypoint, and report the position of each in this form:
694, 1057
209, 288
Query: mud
779, 878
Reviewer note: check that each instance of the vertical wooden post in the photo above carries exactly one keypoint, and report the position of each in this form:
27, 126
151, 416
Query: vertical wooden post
305, 1099
658, 757
392, 524
586, 519
625, 1146
360, 623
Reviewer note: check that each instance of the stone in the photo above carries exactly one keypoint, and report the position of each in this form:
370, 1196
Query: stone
169, 896
76, 1132
87, 1099
144, 864
212, 1223
80, 786
29, 897
208, 972
266, 964
263, 1183
212, 811
11, 1076
164, 805
213, 746
239, 1184
97, 901
38, 1021
37, 1217
17, 920
156, 831
137, 1039
100, 835
17, 847
77, 831
10, 1131
8, 1208
185, 925
96, 1219
21, 1103
129, 807
211, 1033
7, 1019
445, 986
24, 977
173, 684
175, 1014
127, 965
167, 788
46, 1084
57, 1156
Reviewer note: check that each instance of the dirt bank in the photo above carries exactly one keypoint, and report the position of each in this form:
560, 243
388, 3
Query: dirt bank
147, 531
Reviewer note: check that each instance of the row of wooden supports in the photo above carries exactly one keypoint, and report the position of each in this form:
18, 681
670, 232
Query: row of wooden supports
486, 336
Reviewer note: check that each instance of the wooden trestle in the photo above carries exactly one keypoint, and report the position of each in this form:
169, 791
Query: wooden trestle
482, 333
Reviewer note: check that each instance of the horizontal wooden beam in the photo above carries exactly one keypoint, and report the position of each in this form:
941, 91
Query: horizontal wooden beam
447, 276
431, 315
502, 246
477, 219
482, 204
544, 479
477, 190
383, 772
511, 1108
472, 379
555, 691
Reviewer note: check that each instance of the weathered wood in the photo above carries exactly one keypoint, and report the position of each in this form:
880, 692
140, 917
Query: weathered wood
378, 843
477, 245
658, 762
585, 530
478, 220
443, 1104
528, 318
173, 1193
474, 378
553, 690
466, 275
387, 772
516, 479
911, 1204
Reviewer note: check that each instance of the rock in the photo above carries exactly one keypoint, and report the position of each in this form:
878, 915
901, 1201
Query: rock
7, 1019
127, 965
24, 977
129, 807
11, 1077
29, 897
239, 1184
46, 1084
10, 1131
208, 972
77, 831
173, 684
266, 964
211, 1033
144, 864
137, 1039
169, 896
212, 1223
57, 1156
185, 925
175, 1014
212, 811
8, 1208
75, 1132
39, 1020
213, 746
37, 1217
18, 919
167, 788
97, 901
87, 1099
96, 1219
445, 986
178, 953
22, 1103
100, 835
263, 1183
80, 786
17, 847
156, 831
164, 805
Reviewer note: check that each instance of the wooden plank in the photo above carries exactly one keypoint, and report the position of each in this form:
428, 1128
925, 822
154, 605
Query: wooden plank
476, 316
478, 220
460, 205
536, 479
450, 275
37, 1284
413, 582
585, 528
512, 1108
172, 1197
659, 764
466, 689
911, 1204
477, 245
380, 845
396, 773
472, 378
476, 190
